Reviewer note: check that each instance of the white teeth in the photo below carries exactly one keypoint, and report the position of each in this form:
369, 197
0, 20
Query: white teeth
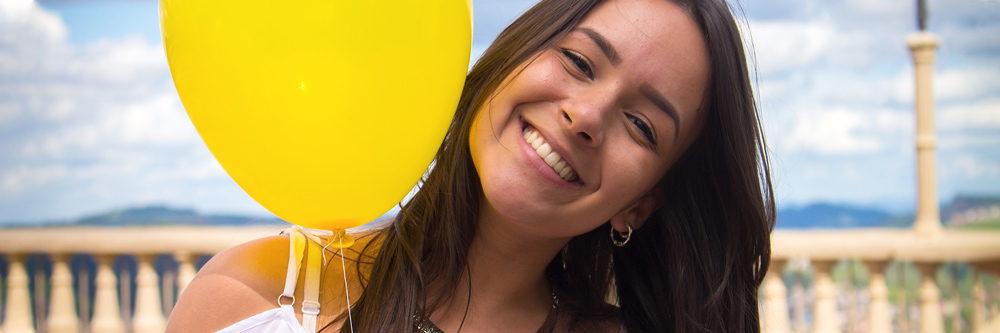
536, 143
559, 166
544, 149
553, 159
565, 173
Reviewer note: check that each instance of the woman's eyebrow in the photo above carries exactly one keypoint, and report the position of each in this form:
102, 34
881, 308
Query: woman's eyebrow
609, 51
663, 104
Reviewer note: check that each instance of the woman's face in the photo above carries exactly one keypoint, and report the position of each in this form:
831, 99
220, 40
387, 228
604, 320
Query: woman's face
586, 129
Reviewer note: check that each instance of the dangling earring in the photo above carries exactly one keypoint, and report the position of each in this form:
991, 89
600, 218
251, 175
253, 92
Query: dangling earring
626, 235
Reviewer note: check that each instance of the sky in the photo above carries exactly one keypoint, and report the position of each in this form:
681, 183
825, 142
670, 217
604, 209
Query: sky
90, 120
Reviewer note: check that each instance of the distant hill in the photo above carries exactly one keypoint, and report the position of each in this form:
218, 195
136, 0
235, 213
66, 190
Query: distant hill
152, 215
817, 215
162, 215
971, 209
831, 216
836, 216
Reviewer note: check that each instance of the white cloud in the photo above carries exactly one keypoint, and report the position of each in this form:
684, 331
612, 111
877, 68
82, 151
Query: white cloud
783, 46
840, 131
966, 83
974, 167
979, 114
95, 126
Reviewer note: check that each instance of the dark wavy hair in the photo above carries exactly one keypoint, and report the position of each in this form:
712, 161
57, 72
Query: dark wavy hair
696, 264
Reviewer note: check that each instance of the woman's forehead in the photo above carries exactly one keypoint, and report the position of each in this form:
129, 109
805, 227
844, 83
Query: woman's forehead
657, 43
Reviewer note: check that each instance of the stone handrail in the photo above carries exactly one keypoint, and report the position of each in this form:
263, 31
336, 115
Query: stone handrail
823, 249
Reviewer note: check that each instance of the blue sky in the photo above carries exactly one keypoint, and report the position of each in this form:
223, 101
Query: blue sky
90, 120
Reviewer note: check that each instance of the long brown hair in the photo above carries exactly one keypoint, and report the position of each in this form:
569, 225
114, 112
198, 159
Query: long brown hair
694, 266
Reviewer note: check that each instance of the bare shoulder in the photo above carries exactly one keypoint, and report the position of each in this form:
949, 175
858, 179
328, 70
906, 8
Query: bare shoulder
235, 284
247, 279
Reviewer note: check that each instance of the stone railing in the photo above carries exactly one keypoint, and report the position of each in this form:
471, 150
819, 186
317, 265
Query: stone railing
835, 310
26, 309
44, 291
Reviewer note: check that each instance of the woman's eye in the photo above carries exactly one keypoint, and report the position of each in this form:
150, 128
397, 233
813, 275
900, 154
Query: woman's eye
643, 127
580, 63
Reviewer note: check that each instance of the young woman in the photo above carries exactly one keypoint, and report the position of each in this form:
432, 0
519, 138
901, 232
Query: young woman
605, 172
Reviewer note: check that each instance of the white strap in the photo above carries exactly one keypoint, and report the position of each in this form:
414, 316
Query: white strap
296, 244
310, 305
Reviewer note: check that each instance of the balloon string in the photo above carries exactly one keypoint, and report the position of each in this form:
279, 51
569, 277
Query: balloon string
347, 290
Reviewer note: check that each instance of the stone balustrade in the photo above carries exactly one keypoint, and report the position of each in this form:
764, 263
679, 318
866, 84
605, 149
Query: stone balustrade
876, 249
53, 298
26, 309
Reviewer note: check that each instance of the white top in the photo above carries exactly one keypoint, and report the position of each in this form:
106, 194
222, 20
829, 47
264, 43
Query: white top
277, 320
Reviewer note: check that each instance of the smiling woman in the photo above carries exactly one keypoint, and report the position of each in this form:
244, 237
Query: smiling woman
633, 118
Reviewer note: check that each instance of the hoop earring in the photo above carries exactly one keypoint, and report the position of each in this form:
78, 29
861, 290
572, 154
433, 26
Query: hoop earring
626, 235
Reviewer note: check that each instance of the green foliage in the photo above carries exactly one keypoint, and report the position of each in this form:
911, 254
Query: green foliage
993, 224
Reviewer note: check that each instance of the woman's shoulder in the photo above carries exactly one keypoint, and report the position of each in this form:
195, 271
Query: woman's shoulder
235, 284
245, 280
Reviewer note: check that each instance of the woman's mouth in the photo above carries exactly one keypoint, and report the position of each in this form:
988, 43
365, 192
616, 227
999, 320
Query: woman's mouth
551, 158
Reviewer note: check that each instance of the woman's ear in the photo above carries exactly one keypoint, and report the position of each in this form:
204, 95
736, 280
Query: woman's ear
636, 214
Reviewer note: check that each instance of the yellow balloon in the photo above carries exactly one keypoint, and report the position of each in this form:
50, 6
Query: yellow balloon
326, 112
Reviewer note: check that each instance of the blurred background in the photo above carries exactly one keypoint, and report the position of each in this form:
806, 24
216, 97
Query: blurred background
92, 133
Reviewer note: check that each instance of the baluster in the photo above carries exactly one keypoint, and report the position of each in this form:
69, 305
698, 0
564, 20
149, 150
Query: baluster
775, 300
978, 304
62, 313
185, 270
18, 318
930, 298
148, 310
799, 297
825, 308
107, 316
879, 319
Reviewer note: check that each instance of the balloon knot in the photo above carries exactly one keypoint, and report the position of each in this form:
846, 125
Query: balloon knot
340, 239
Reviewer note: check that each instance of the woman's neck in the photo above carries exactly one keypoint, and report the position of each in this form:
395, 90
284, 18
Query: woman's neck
509, 287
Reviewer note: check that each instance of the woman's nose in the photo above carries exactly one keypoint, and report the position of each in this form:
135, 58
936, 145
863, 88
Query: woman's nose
584, 118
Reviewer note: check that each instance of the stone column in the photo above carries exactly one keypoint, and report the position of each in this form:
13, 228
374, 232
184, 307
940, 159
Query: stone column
18, 318
62, 312
825, 308
185, 270
931, 320
923, 46
148, 310
775, 300
879, 319
107, 313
